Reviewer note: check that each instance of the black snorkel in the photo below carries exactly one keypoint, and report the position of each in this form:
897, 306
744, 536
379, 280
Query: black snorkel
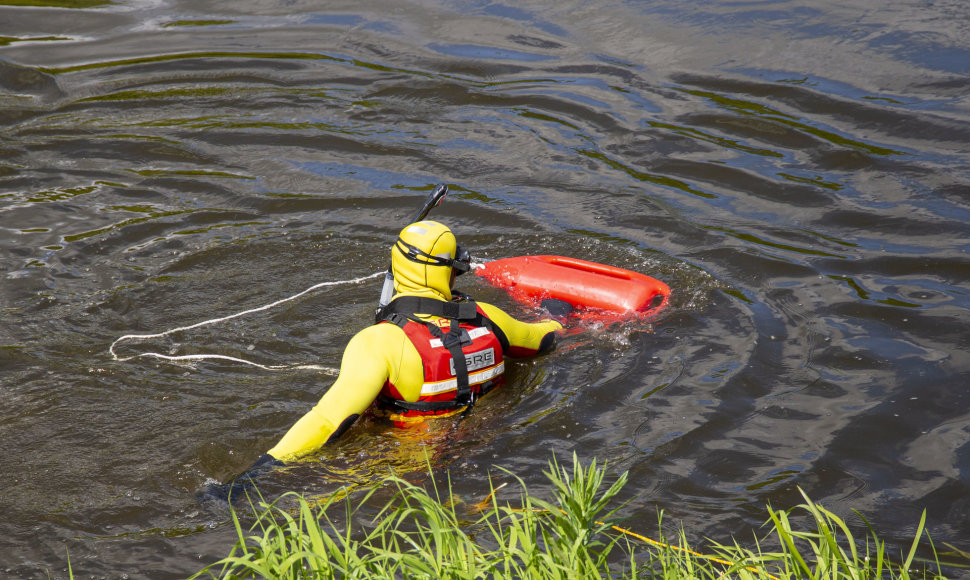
433, 200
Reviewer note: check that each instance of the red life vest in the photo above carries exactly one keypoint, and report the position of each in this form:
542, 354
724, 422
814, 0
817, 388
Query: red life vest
449, 385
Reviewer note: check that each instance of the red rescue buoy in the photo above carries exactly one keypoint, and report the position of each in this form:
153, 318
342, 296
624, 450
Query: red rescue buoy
585, 285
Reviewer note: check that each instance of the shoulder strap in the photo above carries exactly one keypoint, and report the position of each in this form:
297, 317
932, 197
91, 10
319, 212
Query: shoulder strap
400, 309
421, 305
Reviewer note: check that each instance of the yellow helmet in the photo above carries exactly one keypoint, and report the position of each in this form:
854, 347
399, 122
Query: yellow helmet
424, 258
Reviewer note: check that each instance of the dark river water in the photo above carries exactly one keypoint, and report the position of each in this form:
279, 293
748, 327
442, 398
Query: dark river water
798, 171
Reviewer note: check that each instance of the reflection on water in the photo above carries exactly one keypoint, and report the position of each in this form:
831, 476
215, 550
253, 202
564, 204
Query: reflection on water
799, 176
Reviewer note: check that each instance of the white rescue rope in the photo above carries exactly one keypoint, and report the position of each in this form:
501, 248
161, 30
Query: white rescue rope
196, 357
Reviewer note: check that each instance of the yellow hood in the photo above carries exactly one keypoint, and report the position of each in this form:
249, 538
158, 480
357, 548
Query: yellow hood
423, 277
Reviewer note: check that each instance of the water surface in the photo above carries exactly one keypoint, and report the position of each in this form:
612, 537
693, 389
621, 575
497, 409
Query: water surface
798, 172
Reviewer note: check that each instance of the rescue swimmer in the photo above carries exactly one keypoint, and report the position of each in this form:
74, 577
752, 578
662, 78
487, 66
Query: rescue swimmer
432, 352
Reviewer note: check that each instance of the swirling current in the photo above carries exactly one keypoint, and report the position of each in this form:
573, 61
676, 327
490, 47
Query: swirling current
798, 172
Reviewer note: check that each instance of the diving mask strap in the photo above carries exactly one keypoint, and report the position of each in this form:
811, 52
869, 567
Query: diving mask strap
413, 253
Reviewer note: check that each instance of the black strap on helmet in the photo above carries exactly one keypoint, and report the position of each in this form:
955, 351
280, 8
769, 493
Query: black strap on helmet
461, 262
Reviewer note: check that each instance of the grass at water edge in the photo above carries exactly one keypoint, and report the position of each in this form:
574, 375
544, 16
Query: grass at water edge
419, 533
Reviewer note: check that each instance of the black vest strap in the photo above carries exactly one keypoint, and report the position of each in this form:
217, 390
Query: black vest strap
452, 341
420, 305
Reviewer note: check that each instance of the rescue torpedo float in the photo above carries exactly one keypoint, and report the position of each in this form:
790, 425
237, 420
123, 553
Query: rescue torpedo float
588, 286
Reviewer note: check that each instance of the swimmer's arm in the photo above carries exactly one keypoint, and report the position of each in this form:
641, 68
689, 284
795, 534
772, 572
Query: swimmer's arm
363, 371
525, 339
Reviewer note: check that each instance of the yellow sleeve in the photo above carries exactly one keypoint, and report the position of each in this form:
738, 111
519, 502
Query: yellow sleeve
525, 339
371, 356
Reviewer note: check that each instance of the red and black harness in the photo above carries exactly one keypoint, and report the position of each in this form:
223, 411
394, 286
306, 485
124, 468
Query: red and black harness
402, 311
